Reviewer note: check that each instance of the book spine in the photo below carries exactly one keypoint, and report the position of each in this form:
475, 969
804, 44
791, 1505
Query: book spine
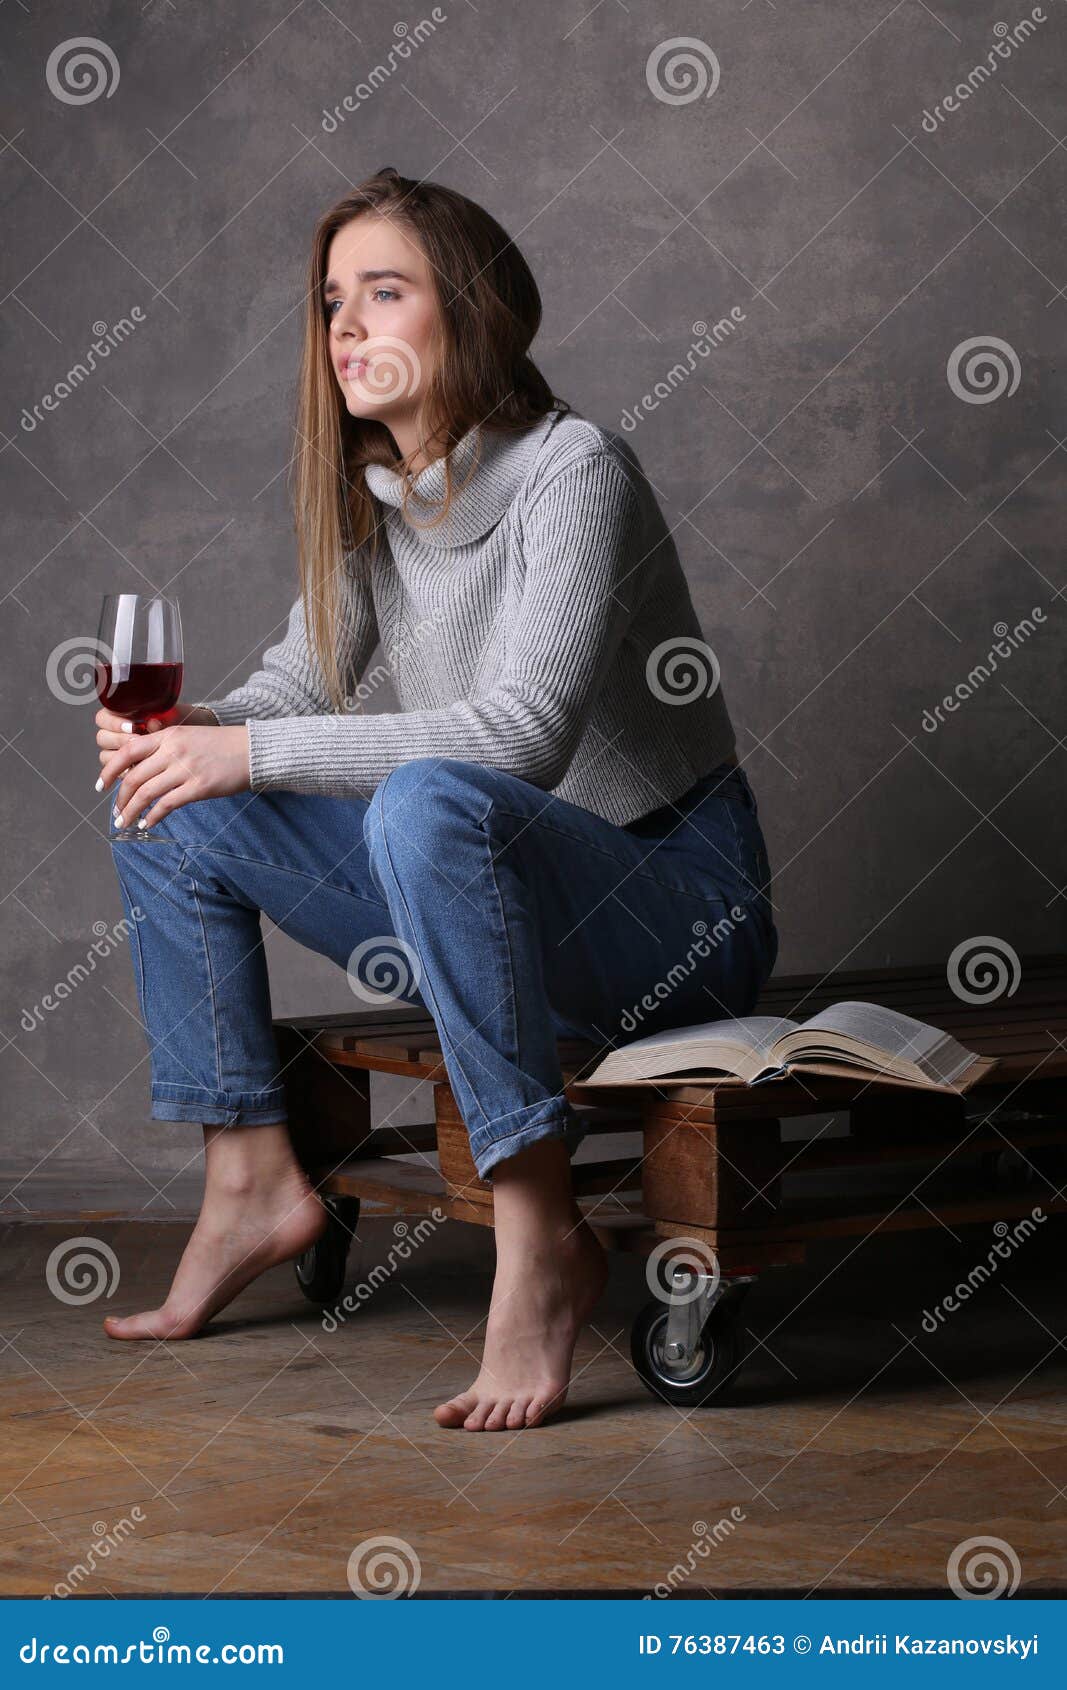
770, 1074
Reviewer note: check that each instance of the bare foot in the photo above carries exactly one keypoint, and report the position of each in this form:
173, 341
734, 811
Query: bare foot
253, 1217
542, 1296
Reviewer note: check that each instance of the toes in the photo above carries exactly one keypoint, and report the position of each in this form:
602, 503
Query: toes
476, 1419
539, 1408
455, 1411
154, 1323
498, 1416
131, 1325
517, 1413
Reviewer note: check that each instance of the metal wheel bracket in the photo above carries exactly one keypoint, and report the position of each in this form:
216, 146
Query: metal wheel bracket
690, 1308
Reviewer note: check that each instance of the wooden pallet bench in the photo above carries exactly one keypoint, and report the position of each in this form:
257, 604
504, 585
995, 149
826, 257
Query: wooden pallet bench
717, 1192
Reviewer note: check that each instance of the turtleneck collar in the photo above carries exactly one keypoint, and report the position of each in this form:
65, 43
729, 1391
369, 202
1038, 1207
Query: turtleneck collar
478, 503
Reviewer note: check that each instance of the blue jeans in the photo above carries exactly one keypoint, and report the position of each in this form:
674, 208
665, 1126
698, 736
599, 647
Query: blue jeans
513, 917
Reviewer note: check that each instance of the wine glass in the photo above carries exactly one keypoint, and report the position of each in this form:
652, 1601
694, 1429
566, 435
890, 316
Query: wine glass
139, 670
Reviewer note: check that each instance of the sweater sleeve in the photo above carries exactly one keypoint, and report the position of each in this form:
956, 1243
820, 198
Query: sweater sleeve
581, 549
290, 681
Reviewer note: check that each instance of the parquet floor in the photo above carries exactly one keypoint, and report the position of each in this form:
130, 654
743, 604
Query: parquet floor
856, 1454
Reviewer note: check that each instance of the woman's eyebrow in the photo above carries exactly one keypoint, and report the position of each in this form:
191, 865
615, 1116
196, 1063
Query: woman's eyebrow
332, 286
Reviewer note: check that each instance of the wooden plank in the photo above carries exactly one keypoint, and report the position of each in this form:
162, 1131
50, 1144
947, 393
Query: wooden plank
419, 1137
1024, 1003
402, 1188
454, 1150
912, 979
368, 1023
1022, 1031
825, 1217
812, 1154
881, 1119
572, 1052
1043, 981
328, 1110
422, 1191
708, 1175
736, 1254
406, 1188
810, 1094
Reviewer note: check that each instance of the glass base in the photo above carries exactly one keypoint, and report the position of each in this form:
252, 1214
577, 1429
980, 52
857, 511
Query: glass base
147, 835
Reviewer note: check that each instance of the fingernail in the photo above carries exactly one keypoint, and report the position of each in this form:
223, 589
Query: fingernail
127, 727
100, 784
142, 821
118, 818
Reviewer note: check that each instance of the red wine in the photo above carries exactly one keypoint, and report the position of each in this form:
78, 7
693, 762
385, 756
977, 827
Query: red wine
142, 689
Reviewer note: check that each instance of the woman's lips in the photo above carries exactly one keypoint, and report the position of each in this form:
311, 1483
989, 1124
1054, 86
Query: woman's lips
355, 367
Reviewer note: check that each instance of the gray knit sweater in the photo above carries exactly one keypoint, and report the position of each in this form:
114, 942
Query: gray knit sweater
546, 629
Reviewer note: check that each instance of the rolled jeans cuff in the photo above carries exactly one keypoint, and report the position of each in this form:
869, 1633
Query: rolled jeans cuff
217, 1108
554, 1119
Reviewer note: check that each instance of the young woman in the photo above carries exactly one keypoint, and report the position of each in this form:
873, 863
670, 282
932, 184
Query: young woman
545, 829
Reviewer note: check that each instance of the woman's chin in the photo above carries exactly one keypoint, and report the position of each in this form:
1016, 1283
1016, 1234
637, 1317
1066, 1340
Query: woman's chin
370, 410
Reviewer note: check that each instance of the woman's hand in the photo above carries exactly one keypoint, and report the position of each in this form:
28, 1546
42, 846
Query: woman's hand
181, 761
113, 731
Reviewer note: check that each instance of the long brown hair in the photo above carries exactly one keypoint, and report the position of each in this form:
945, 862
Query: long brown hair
489, 312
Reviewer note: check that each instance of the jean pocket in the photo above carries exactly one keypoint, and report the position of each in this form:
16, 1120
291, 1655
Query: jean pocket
753, 864
745, 789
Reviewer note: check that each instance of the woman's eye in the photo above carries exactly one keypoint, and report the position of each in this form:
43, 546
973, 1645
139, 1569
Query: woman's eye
390, 293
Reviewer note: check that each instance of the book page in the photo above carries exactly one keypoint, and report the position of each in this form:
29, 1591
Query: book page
883, 1029
756, 1032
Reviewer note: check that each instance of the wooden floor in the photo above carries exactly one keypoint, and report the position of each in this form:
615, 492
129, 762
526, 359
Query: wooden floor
259, 1456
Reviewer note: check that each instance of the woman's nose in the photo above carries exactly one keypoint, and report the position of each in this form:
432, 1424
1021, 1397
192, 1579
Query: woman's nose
346, 323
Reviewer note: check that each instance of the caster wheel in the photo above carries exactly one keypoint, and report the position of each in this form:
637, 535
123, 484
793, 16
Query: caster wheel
320, 1271
713, 1366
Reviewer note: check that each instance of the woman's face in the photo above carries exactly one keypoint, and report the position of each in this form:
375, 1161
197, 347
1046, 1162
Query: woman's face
382, 319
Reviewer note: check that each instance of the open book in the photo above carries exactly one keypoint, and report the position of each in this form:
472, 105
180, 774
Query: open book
850, 1040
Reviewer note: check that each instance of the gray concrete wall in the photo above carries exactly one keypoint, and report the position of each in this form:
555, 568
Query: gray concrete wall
856, 511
